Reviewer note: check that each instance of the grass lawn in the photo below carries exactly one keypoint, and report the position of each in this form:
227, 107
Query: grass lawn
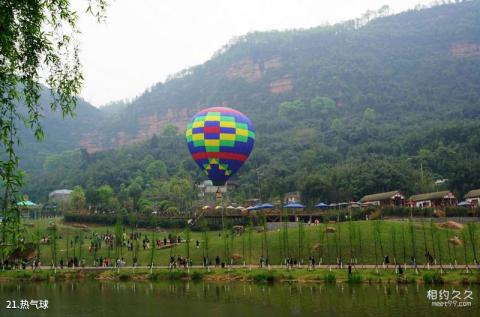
365, 241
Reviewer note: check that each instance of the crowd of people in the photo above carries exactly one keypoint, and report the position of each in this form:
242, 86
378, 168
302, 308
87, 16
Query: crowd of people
128, 240
72, 262
179, 262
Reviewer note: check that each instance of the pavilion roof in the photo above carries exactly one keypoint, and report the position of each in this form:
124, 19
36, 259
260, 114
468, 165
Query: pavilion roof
473, 193
429, 196
379, 196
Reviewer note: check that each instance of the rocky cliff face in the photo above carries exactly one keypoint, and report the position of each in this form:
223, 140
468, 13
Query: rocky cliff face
465, 50
281, 86
148, 125
252, 71
154, 123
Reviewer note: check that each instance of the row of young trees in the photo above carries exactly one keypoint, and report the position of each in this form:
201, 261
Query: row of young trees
380, 243
327, 244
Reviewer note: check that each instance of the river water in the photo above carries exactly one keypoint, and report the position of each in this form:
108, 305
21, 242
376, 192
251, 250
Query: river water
92, 298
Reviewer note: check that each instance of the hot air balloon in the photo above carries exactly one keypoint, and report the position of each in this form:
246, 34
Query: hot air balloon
220, 140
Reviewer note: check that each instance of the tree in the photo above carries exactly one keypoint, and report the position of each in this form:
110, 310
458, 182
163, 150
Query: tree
156, 169
291, 108
135, 191
104, 193
91, 195
170, 130
77, 198
369, 115
29, 55
113, 204
145, 206
123, 194
314, 188
148, 159
180, 191
384, 11
119, 237
322, 106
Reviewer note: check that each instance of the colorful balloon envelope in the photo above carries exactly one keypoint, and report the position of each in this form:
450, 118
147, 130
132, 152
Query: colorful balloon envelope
220, 140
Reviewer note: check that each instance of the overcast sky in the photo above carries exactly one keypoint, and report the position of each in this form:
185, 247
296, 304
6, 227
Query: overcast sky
144, 41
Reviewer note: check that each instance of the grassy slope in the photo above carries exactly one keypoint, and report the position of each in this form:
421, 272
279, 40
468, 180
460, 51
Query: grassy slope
362, 239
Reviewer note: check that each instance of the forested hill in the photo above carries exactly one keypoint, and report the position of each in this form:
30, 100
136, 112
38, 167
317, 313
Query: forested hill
404, 67
340, 111
61, 133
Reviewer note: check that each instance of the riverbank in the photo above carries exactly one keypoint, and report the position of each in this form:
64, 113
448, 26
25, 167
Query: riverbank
254, 275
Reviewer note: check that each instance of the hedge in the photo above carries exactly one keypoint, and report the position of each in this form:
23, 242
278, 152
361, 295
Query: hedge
151, 221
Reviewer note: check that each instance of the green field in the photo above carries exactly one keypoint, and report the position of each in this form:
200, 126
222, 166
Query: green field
365, 241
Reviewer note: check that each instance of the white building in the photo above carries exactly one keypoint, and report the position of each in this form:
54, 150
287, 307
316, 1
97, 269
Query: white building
60, 195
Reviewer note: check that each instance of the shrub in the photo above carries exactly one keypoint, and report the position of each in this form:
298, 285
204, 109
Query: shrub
433, 278
406, 280
330, 278
24, 274
149, 221
263, 277
177, 275
355, 278
376, 215
455, 211
154, 276
124, 277
37, 277
197, 276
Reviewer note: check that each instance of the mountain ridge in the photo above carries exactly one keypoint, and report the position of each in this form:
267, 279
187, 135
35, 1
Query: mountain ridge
264, 68
334, 104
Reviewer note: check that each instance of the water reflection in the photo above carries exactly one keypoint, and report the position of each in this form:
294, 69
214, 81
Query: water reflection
231, 299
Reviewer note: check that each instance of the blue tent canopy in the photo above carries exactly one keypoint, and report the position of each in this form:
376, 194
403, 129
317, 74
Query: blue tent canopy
267, 205
322, 205
256, 207
294, 205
